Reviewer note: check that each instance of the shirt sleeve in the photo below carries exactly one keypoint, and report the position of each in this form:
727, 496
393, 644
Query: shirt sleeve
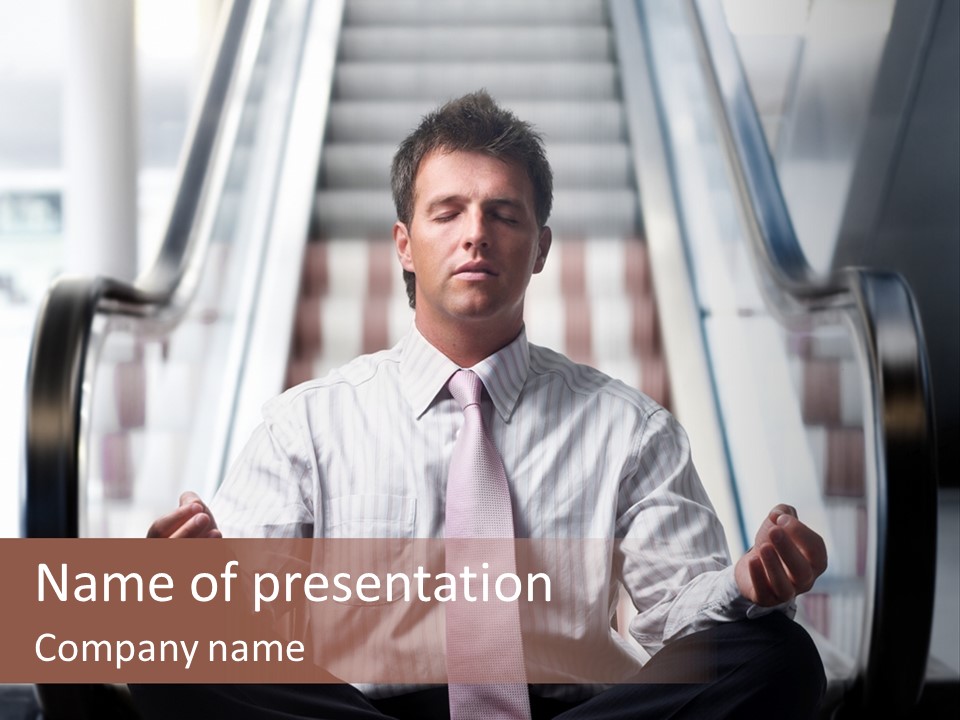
269, 491
672, 552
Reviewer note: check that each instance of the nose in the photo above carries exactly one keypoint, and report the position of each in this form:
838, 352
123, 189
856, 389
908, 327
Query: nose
475, 230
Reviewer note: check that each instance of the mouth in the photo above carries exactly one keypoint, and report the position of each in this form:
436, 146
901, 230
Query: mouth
476, 269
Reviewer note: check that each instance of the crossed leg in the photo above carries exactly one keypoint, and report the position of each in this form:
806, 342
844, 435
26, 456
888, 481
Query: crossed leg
746, 669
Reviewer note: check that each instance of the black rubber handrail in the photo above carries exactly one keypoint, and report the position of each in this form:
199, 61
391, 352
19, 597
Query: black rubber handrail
51, 494
906, 494
901, 431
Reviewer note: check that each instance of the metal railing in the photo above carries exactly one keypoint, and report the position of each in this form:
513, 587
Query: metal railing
899, 435
52, 497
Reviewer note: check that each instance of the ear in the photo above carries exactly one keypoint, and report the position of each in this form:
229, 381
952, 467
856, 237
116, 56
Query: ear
543, 247
401, 238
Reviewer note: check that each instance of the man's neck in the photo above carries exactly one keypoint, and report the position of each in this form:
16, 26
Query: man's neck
466, 345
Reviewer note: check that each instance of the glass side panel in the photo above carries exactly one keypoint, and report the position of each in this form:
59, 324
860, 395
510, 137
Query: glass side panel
790, 393
815, 74
160, 391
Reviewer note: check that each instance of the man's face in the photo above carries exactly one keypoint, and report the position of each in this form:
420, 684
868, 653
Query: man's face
473, 240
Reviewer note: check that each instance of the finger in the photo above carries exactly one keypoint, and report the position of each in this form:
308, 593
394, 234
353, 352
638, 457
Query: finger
783, 509
797, 565
197, 526
808, 542
770, 522
167, 525
780, 586
762, 592
763, 534
191, 497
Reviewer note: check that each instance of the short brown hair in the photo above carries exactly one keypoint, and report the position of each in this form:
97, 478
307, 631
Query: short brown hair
472, 123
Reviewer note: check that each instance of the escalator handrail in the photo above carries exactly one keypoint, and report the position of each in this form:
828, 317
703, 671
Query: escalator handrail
51, 497
900, 432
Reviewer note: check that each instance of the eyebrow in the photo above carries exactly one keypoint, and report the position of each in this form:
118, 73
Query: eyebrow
454, 199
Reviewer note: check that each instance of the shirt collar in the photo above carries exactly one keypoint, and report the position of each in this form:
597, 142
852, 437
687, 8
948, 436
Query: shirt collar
424, 372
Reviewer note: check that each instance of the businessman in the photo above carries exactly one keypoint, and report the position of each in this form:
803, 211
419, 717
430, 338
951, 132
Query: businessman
375, 449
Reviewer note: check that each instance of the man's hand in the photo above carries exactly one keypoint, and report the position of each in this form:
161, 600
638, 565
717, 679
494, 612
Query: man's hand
192, 519
785, 560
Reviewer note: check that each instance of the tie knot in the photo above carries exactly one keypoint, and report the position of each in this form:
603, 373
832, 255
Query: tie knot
465, 386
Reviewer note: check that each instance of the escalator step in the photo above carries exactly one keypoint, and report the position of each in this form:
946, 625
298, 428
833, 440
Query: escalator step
495, 43
505, 81
508, 12
357, 166
559, 121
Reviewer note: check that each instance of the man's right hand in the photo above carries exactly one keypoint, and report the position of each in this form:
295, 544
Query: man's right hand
192, 519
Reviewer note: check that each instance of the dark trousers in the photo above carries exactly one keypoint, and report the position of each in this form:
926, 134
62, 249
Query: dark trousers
749, 669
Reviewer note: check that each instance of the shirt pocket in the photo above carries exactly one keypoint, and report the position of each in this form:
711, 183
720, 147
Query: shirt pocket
369, 516
374, 535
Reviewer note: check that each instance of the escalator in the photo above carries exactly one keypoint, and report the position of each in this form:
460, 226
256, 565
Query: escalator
674, 259
553, 66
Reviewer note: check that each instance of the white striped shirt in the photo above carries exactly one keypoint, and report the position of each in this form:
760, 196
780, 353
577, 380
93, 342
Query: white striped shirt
364, 452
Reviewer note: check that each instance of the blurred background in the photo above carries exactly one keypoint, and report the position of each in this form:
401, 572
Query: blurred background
163, 48
654, 278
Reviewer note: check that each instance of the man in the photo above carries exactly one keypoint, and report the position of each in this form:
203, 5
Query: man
366, 451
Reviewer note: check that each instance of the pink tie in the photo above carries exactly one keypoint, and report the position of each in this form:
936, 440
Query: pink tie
482, 637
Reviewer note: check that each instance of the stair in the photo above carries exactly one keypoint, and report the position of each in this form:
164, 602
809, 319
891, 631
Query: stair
553, 63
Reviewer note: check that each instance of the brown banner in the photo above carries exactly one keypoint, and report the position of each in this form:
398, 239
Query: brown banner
296, 611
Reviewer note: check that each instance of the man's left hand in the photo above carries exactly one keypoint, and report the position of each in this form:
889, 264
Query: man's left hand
785, 560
